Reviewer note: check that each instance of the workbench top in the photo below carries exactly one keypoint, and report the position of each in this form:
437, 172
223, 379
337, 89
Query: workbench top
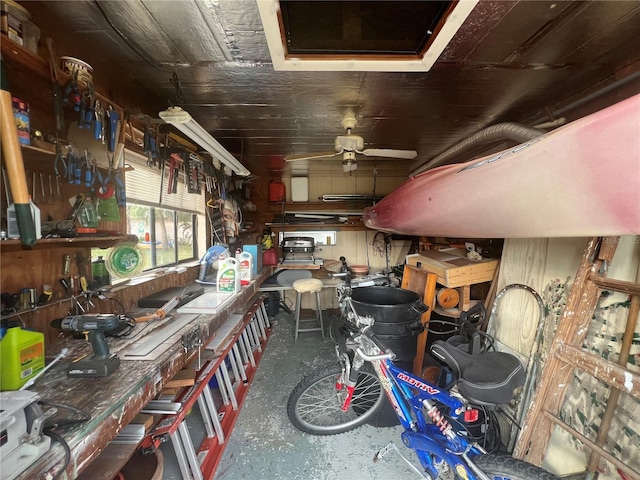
115, 400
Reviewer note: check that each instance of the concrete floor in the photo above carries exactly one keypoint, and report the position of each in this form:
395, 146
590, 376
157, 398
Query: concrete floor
264, 444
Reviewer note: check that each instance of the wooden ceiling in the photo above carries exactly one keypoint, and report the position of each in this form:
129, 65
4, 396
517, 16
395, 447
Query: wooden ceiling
511, 61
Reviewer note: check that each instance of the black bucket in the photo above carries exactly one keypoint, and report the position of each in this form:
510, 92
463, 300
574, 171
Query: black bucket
272, 303
396, 312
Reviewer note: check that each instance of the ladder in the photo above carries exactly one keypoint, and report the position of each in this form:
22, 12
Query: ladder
237, 349
566, 355
424, 284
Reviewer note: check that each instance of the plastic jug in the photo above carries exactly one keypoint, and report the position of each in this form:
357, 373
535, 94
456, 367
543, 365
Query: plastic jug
245, 267
269, 257
228, 276
277, 191
21, 357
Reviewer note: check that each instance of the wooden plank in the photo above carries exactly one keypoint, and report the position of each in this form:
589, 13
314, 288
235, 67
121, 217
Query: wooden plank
631, 288
571, 330
608, 372
143, 419
453, 268
424, 284
184, 378
518, 307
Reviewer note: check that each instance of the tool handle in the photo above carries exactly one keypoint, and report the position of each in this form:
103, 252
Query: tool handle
97, 129
146, 318
99, 344
15, 170
114, 117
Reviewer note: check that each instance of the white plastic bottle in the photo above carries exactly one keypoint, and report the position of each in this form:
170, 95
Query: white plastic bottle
245, 267
228, 276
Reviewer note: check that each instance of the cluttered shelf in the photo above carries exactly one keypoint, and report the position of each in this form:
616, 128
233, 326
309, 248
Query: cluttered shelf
93, 241
354, 206
292, 227
24, 57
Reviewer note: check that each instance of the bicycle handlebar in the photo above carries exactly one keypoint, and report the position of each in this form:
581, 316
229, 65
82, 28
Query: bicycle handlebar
371, 358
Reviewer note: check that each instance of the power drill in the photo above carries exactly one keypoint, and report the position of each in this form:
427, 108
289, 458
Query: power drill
101, 363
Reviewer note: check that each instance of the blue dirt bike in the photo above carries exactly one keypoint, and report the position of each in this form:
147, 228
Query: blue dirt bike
438, 422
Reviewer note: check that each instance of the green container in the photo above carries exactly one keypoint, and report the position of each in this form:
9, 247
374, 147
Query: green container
21, 357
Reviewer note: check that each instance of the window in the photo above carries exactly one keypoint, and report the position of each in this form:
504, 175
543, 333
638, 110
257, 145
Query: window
166, 224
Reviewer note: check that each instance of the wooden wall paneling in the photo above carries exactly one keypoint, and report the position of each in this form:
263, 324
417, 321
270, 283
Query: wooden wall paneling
363, 183
317, 184
338, 186
63, 304
386, 185
33, 268
523, 261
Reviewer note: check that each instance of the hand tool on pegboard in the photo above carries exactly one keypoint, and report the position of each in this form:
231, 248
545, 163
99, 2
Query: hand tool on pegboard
149, 143
99, 122
57, 89
72, 161
87, 107
193, 168
72, 95
174, 164
113, 118
59, 160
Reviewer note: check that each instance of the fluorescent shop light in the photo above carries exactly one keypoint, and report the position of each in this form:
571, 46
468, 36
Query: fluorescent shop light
184, 122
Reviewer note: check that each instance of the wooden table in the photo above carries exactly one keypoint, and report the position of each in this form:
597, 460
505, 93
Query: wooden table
115, 400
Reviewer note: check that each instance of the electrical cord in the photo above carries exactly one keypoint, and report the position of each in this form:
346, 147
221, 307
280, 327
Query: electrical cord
67, 452
119, 304
65, 422
49, 430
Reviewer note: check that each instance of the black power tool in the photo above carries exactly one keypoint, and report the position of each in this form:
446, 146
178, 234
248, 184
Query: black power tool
101, 363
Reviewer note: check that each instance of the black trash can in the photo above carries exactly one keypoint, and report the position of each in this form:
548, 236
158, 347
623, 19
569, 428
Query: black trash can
272, 303
397, 313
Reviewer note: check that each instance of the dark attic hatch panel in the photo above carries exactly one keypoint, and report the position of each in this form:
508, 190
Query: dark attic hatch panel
360, 27
400, 36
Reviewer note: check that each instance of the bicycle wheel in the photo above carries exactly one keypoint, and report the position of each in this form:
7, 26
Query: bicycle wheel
315, 406
504, 467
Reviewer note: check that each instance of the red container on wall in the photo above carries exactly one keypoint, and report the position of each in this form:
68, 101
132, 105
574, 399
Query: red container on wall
269, 257
277, 191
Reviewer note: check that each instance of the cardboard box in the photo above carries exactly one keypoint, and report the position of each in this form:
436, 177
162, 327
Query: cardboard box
453, 267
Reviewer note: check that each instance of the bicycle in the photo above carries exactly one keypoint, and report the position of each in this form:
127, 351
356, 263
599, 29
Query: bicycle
436, 420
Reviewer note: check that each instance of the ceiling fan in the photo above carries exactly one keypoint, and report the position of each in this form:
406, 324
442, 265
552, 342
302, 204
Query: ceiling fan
348, 145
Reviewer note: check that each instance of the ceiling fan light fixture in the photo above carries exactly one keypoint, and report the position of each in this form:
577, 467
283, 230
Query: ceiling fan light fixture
349, 162
184, 122
349, 143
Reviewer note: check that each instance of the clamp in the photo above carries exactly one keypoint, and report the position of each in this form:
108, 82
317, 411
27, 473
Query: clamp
59, 159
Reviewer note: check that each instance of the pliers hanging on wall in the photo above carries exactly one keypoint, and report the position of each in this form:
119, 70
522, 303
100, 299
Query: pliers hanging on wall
59, 159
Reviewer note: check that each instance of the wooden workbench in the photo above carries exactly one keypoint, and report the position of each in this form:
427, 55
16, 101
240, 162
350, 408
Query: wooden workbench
115, 400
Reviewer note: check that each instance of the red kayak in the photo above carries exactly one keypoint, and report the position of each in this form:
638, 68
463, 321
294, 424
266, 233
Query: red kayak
580, 180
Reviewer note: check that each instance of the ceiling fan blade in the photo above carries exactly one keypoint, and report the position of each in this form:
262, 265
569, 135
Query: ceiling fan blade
310, 156
390, 153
